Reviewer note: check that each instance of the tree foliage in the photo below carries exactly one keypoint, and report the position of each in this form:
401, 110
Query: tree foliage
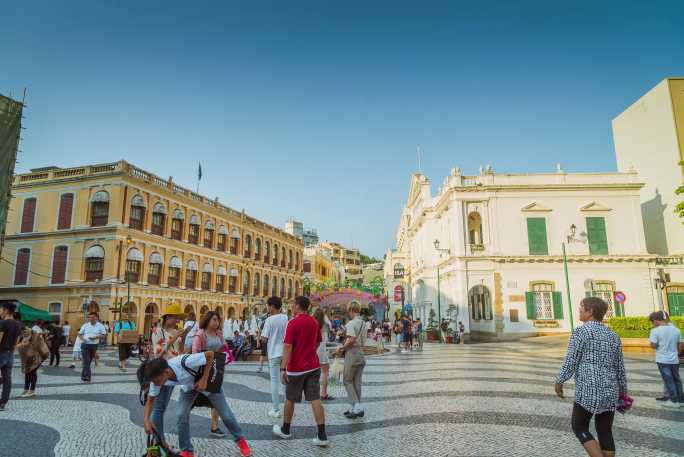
365, 260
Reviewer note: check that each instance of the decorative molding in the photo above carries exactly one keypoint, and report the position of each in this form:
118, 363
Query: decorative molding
535, 207
593, 206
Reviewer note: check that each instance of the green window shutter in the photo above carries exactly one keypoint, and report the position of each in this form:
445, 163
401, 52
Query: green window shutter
557, 305
536, 236
596, 231
531, 309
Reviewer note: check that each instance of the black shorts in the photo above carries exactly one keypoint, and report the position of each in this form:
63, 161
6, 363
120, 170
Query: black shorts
264, 349
124, 351
308, 384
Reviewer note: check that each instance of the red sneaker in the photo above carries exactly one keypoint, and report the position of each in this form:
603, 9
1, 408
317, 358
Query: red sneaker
244, 447
187, 454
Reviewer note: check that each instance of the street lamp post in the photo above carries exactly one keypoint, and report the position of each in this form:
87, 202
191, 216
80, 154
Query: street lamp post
571, 239
129, 241
439, 294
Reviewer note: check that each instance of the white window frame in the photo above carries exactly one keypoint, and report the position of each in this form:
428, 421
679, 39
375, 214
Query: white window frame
61, 308
541, 295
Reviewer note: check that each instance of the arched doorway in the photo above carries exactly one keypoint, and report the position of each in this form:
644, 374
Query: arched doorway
151, 316
231, 313
204, 310
188, 309
480, 303
219, 310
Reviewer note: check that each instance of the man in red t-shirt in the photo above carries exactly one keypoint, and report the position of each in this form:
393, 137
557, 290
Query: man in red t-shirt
301, 370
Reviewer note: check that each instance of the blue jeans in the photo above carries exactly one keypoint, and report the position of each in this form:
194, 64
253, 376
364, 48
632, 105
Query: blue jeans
6, 362
274, 373
89, 351
160, 404
218, 401
672, 380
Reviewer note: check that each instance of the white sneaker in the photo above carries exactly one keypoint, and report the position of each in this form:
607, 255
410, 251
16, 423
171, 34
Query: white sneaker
278, 432
670, 404
321, 443
273, 413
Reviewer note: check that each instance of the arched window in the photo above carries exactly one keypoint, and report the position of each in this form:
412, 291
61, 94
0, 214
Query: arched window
134, 260
290, 260
289, 288
99, 209
267, 284
475, 229
257, 285
221, 279
177, 225
297, 261
209, 234
191, 274
267, 252
155, 267
274, 287
174, 271
245, 283
129, 311
282, 287
297, 291
232, 280
94, 263
158, 219
307, 266
283, 255
203, 310
221, 243
66, 207
137, 216
257, 249
193, 230
275, 255
55, 310
480, 303
59, 265
207, 270
248, 246
189, 309
234, 241
219, 311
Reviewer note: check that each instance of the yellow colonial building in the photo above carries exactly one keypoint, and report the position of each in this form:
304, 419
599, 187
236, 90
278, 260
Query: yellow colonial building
88, 237
320, 268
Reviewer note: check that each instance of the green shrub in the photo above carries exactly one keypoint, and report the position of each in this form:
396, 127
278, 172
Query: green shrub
637, 327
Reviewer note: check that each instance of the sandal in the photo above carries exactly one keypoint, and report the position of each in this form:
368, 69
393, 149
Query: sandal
327, 398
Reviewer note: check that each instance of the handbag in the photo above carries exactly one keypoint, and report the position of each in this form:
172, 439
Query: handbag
155, 447
41, 347
215, 379
624, 403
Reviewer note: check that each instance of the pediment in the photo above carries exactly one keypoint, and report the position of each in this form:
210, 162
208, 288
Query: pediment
593, 206
535, 207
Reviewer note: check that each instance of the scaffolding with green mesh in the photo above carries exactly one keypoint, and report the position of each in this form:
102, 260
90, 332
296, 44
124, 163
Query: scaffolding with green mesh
10, 129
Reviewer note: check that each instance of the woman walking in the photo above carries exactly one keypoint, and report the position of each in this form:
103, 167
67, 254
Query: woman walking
29, 349
209, 337
325, 326
354, 360
595, 359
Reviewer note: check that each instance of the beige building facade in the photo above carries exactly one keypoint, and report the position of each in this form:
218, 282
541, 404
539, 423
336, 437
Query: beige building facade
320, 268
350, 258
78, 238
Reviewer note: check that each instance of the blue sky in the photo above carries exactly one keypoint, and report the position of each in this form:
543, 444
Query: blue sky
313, 109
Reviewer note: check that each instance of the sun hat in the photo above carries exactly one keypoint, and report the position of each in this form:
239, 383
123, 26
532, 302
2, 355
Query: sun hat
174, 310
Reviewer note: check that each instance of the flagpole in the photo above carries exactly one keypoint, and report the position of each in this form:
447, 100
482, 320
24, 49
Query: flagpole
199, 175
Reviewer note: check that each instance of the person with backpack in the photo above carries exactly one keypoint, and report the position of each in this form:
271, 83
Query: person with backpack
124, 348
167, 343
190, 372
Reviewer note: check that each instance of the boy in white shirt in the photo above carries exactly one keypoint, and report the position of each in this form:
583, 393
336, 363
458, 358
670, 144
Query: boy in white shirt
666, 339
181, 371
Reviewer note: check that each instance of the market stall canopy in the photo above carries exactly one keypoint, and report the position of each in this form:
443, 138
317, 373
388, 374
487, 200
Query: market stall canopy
30, 314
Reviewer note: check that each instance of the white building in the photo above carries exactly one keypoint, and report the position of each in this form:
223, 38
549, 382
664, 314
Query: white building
500, 258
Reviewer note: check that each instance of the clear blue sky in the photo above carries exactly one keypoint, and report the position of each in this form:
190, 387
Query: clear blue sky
313, 109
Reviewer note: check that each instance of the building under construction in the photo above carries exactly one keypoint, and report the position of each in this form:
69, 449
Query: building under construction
10, 128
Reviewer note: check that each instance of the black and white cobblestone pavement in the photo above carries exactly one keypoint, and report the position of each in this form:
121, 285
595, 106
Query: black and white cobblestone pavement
492, 399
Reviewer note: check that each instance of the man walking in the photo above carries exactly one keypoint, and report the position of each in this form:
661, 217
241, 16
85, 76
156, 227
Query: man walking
66, 331
273, 335
90, 334
10, 330
301, 370
666, 339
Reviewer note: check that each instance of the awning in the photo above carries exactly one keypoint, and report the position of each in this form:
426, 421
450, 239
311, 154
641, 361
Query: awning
30, 314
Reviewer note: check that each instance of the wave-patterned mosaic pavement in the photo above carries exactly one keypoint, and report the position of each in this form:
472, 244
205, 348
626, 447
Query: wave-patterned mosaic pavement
474, 400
